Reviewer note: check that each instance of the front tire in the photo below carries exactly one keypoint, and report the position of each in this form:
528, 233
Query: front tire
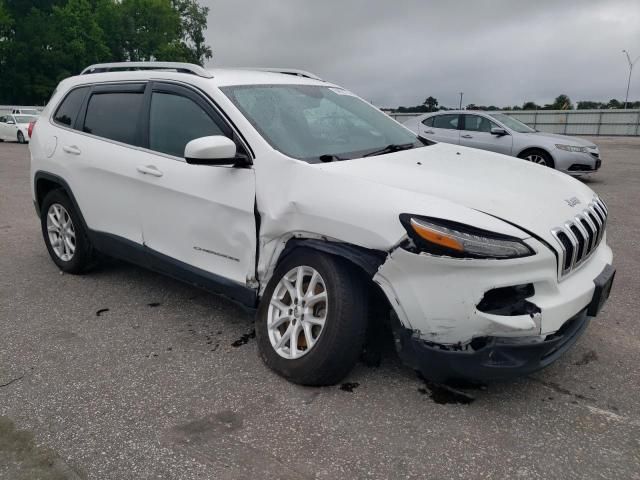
64, 234
538, 156
312, 319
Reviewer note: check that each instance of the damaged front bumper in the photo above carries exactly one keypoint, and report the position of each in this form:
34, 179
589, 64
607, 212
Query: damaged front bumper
488, 319
492, 358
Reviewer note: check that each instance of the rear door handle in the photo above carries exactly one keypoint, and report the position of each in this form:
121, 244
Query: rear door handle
72, 149
150, 170
466, 136
428, 131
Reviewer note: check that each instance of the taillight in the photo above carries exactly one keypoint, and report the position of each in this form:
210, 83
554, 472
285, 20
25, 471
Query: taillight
31, 127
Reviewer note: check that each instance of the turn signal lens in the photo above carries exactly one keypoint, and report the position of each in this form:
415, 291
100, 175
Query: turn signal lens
434, 236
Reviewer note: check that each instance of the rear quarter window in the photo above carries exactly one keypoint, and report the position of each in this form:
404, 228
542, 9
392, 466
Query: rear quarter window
428, 122
69, 108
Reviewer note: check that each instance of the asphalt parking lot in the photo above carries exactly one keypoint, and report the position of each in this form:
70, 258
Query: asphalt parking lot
125, 374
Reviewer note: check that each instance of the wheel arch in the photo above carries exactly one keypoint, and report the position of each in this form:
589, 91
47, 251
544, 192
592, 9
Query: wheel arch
536, 149
45, 182
365, 259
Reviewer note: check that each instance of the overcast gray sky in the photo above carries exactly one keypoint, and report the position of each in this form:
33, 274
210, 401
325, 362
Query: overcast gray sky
498, 52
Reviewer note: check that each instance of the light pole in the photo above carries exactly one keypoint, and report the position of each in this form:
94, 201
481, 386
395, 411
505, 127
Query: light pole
626, 98
461, 94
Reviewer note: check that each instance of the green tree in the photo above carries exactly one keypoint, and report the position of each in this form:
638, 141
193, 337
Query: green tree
79, 40
193, 25
530, 106
588, 105
562, 102
43, 41
431, 103
613, 103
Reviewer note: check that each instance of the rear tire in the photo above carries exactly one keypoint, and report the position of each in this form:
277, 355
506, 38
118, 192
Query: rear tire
535, 155
64, 234
326, 354
21, 138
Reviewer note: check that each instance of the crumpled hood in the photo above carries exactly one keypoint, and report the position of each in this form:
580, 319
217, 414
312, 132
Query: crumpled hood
531, 196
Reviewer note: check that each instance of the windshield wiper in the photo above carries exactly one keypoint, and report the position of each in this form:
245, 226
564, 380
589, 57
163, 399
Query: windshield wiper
394, 147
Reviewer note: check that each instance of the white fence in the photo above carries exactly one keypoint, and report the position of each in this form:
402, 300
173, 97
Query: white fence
570, 122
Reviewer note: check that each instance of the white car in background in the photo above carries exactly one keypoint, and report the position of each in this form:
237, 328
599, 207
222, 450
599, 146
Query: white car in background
294, 196
25, 111
16, 128
500, 133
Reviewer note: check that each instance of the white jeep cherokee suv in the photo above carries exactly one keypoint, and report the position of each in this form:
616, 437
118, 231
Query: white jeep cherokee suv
294, 196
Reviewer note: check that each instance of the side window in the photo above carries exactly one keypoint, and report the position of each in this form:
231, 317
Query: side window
449, 121
114, 115
68, 110
476, 123
174, 121
3, 119
428, 121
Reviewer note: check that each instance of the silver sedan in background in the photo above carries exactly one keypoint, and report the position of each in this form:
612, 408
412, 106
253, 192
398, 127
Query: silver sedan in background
501, 133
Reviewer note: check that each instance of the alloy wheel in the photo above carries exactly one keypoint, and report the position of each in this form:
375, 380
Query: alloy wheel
62, 234
297, 312
539, 159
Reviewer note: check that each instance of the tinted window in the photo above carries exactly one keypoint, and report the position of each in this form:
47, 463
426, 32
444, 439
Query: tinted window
70, 106
476, 123
428, 121
113, 116
175, 121
446, 121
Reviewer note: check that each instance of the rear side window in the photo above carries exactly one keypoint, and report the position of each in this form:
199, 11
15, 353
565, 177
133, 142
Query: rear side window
114, 115
175, 121
70, 107
428, 121
449, 122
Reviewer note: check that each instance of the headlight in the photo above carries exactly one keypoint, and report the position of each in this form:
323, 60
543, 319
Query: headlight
442, 237
571, 148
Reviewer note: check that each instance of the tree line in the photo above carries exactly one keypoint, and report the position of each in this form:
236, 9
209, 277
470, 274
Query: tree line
44, 41
562, 102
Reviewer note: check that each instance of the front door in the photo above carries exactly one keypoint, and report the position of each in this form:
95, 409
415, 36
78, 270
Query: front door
200, 215
476, 133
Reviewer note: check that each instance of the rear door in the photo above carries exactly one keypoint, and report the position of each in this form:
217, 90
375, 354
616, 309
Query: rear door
442, 128
101, 150
476, 133
200, 215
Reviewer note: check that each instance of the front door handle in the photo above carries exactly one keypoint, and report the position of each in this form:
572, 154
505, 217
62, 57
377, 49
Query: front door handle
150, 170
428, 131
72, 149
466, 136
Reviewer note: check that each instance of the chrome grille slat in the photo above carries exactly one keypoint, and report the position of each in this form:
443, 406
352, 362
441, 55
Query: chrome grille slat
579, 237
593, 234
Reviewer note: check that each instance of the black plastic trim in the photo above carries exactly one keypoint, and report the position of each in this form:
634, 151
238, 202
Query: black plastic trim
367, 259
146, 257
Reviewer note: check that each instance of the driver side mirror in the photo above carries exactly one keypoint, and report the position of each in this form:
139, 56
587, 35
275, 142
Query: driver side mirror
498, 131
213, 150
10, 122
